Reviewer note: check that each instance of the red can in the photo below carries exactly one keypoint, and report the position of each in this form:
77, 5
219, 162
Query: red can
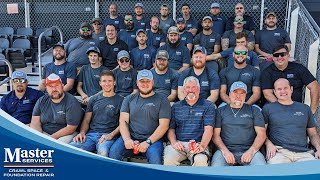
192, 145
135, 147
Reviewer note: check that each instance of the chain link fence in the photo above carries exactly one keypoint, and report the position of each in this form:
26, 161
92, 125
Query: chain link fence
12, 20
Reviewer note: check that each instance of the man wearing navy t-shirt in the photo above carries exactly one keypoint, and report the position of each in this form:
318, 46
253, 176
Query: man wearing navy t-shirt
114, 18
248, 20
140, 21
219, 22
186, 38
129, 34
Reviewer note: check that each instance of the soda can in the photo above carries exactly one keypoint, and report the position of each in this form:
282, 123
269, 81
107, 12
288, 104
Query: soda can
135, 147
192, 145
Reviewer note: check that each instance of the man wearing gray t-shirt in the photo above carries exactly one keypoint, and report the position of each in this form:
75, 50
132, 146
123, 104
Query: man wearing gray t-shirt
289, 125
57, 113
239, 132
144, 120
100, 125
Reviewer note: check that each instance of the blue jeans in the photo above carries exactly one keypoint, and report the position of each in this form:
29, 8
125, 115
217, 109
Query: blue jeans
154, 153
218, 159
91, 144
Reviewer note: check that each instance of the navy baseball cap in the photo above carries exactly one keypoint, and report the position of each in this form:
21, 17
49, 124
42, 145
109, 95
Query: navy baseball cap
19, 75
181, 19
201, 49
141, 30
59, 44
93, 49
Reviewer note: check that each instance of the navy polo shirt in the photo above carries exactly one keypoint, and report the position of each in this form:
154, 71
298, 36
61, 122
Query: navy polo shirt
177, 55
109, 52
118, 22
21, 109
129, 37
189, 121
297, 74
154, 39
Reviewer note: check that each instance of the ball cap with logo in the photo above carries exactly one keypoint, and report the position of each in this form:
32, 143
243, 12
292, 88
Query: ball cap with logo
53, 78
238, 85
138, 5
199, 49
19, 75
122, 54
144, 74
215, 5
162, 54
93, 49
173, 29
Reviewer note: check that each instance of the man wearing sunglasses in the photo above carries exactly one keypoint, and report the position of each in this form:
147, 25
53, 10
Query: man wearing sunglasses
125, 75
76, 48
98, 32
297, 74
268, 38
240, 71
248, 20
114, 18
19, 103
57, 113
129, 34
229, 37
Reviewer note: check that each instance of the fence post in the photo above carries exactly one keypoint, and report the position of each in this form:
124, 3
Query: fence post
293, 30
27, 14
96, 8
174, 9
261, 14
312, 66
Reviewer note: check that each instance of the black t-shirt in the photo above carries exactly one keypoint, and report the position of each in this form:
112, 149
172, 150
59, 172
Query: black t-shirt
109, 52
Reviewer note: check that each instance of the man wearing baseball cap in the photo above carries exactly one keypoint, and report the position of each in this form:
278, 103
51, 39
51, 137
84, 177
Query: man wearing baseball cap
241, 148
142, 56
179, 55
209, 40
165, 78
186, 37
126, 76
76, 47
19, 103
219, 22
57, 113
140, 21
66, 70
98, 32
165, 20
89, 75
208, 78
144, 118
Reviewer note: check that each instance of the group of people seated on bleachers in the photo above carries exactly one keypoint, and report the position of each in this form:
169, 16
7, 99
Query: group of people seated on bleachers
144, 95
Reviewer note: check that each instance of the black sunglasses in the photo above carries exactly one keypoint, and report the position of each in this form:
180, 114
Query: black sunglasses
124, 60
282, 54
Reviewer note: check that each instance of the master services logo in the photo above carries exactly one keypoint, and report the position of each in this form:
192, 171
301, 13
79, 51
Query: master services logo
20, 162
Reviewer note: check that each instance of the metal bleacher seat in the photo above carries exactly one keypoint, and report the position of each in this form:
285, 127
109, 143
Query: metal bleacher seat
16, 55
23, 33
45, 42
4, 44
7, 32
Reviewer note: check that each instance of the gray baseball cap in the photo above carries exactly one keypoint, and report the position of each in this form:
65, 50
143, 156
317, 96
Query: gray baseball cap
138, 5
215, 4
122, 54
162, 54
199, 48
238, 85
144, 74
141, 30
19, 75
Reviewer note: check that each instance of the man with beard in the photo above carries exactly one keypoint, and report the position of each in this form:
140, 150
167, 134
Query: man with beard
114, 18
144, 120
110, 47
219, 22
64, 69
156, 36
58, 113
19, 103
165, 20
142, 56
129, 34
76, 48
271, 37
208, 78
297, 74
239, 131
191, 22
240, 71
240, 10
186, 38
165, 78
192, 119
179, 55
100, 125
89, 76
228, 39
209, 40
126, 76
140, 22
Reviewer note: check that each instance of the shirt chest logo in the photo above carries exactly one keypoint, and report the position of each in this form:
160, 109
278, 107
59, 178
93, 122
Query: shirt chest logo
61, 72
146, 56
116, 22
212, 40
290, 75
27, 101
178, 53
204, 83
167, 81
298, 114
276, 34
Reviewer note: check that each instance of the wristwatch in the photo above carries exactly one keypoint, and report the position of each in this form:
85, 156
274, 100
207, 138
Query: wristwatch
149, 141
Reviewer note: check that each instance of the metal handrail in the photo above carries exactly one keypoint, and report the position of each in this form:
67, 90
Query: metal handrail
39, 45
309, 17
10, 70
